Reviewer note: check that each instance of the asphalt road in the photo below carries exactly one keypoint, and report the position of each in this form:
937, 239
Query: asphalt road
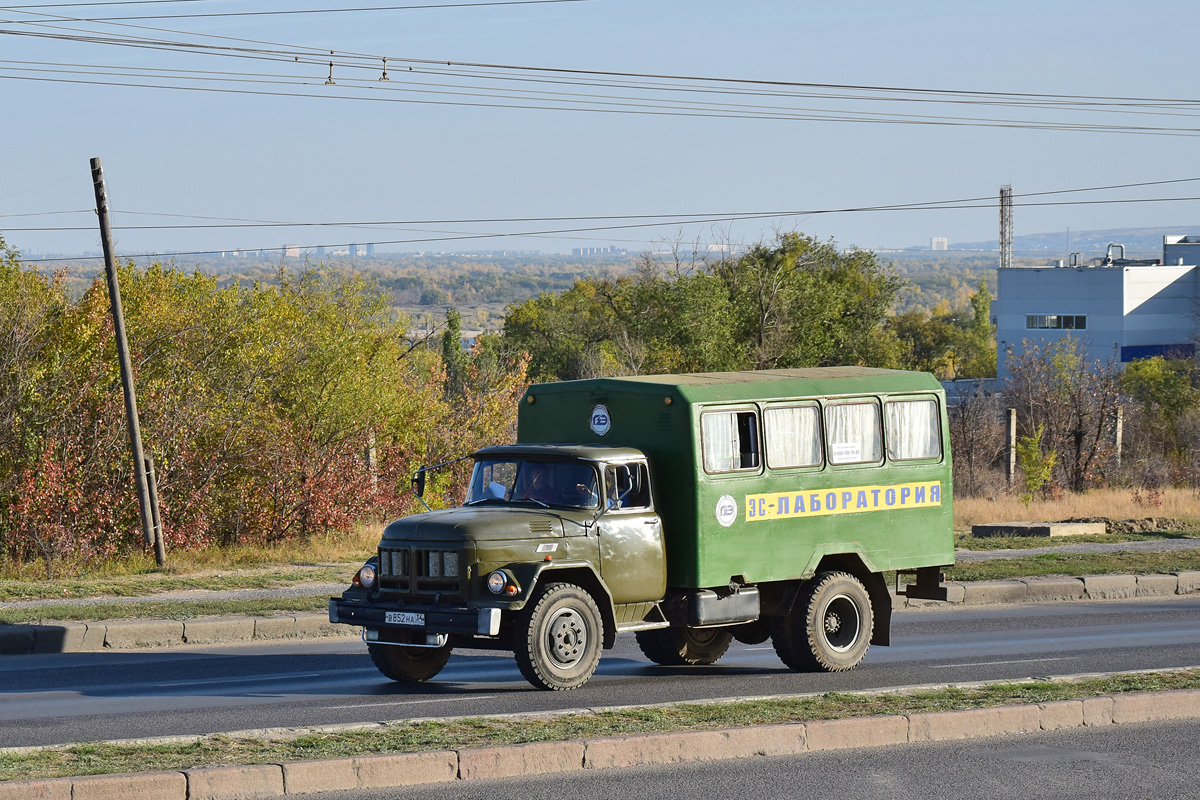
49, 699
1156, 760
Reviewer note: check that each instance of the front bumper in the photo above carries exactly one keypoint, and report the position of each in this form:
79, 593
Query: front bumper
430, 619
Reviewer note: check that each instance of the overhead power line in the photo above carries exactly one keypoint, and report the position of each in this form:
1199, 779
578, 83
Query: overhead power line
309, 11
507, 86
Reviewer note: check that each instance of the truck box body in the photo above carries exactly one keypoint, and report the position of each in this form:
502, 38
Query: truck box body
753, 520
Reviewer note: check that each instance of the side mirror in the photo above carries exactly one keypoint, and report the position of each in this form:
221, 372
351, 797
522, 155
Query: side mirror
418, 482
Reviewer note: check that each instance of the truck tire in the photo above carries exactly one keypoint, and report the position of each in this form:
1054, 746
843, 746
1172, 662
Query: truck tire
558, 637
408, 664
675, 647
829, 627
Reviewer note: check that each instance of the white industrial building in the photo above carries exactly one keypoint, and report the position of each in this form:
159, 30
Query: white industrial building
1120, 309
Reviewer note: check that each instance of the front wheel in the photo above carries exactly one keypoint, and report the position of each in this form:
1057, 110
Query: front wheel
558, 637
829, 627
408, 664
674, 647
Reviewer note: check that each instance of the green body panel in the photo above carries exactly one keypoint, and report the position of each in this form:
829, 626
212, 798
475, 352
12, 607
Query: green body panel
660, 416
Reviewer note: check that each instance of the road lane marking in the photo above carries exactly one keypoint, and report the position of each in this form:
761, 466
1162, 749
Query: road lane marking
992, 663
416, 702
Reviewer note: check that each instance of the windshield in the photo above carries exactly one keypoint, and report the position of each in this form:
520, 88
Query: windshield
551, 483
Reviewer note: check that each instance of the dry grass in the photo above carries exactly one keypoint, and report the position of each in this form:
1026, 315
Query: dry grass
1181, 504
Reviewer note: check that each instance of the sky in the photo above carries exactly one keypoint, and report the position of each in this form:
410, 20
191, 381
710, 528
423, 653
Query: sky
707, 162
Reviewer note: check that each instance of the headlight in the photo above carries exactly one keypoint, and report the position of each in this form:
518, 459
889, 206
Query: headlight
366, 576
496, 581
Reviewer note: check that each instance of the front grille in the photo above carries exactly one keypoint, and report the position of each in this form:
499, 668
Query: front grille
422, 571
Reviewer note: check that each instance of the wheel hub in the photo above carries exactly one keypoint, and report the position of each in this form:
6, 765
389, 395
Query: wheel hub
841, 622
567, 637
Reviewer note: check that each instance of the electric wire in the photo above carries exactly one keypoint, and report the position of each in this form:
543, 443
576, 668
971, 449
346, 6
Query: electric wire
308, 11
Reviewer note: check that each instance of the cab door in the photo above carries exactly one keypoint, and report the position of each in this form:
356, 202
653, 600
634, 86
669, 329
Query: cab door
632, 558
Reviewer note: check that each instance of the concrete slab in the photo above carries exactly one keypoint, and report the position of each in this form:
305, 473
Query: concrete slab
235, 783
1061, 714
325, 775
1189, 582
138, 786
1053, 589
1110, 587
979, 593
1157, 585
974, 723
16, 640
49, 789
274, 627
309, 625
767, 740
1150, 706
124, 634
843, 734
1043, 529
505, 761
65, 637
225, 629
1097, 711
406, 769
94, 636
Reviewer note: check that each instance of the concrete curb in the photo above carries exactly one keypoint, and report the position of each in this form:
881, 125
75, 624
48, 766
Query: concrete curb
1043, 590
386, 771
79, 637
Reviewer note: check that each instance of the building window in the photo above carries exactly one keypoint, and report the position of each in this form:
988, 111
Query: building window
1054, 322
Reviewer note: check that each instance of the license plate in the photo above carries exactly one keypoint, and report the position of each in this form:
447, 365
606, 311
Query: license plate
404, 618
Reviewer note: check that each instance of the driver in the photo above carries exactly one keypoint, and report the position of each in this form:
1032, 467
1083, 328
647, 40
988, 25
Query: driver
572, 487
538, 485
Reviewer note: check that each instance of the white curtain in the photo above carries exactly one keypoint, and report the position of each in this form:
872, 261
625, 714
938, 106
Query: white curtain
720, 442
912, 430
853, 432
793, 436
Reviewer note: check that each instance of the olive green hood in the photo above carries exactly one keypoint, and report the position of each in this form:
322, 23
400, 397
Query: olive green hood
481, 524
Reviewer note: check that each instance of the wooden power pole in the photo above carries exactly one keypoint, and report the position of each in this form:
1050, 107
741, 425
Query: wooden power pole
147, 501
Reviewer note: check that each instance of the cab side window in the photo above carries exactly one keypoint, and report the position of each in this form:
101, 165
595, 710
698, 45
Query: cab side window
628, 486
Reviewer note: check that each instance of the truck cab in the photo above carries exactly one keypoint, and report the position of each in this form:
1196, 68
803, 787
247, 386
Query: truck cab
580, 516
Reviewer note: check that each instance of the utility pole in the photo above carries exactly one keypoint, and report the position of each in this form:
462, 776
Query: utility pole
1006, 227
147, 500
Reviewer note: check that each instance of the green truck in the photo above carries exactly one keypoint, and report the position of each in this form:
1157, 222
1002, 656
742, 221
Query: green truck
690, 510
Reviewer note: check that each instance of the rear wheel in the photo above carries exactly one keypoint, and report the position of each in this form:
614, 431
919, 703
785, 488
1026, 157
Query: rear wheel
558, 637
408, 664
829, 627
674, 647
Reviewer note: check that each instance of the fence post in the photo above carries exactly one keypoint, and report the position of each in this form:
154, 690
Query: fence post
1010, 438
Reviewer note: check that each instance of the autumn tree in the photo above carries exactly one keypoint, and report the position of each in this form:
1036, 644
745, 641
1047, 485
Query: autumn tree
794, 303
1075, 400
